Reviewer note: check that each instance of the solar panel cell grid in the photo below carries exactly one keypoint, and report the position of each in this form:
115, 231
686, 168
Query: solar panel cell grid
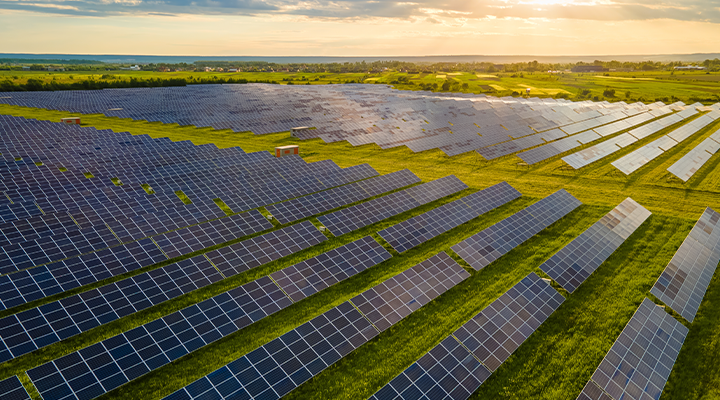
12, 389
639, 362
497, 331
684, 281
363, 214
456, 367
419, 229
278, 367
169, 338
591, 391
392, 300
317, 203
490, 244
263, 249
448, 371
575, 262
311, 276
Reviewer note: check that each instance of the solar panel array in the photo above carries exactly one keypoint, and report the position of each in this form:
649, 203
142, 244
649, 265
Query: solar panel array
281, 365
684, 281
75, 238
451, 122
37, 283
633, 161
317, 203
552, 149
492, 243
639, 362
604, 149
352, 218
691, 162
457, 367
12, 389
419, 229
575, 262
99, 368
38, 327
591, 391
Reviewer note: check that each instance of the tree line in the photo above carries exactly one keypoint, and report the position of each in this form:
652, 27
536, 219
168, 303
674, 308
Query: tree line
90, 84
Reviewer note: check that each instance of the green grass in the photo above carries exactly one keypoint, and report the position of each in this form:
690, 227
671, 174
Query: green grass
556, 361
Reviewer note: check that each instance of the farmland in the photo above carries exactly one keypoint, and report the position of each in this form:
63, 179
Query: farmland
559, 358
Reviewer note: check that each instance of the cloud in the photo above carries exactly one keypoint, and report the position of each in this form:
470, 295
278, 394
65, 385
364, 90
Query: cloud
446, 12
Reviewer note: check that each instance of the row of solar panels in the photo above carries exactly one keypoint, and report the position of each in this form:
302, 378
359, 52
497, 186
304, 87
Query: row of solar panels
684, 168
360, 114
623, 220
281, 277
487, 243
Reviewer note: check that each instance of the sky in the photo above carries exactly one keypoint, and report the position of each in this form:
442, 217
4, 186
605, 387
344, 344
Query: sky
360, 27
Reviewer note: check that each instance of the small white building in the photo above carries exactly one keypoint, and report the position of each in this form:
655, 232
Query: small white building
690, 68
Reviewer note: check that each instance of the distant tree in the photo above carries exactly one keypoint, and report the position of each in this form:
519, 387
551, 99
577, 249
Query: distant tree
446, 85
465, 86
609, 92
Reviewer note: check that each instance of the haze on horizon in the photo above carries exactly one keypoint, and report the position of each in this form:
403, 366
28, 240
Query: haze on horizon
359, 27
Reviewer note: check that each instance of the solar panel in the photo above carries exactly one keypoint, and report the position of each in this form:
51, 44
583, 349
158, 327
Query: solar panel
197, 237
311, 276
684, 281
355, 217
639, 362
122, 358
281, 365
360, 114
590, 155
498, 330
49, 323
12, 389
38, 327
456, 367
691, 162
490, 244
37, 283
591, 391
419, 229
392, 300
633, 161
575, 262
448, 371
251, 253
293, 210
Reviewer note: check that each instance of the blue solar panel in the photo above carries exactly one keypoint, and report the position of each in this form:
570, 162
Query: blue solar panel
416, 230
456, 367
317, 203
49, 323
684, 281
492, 243
278, 367
640, 361
364, 214
159, 342
575, 262
12, 389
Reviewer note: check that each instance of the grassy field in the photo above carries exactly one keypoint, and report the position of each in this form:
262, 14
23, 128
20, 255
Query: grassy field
648, 86
554, 363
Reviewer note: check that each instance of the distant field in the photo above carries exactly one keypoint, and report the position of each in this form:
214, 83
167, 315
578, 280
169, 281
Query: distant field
559, 358
647, 86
